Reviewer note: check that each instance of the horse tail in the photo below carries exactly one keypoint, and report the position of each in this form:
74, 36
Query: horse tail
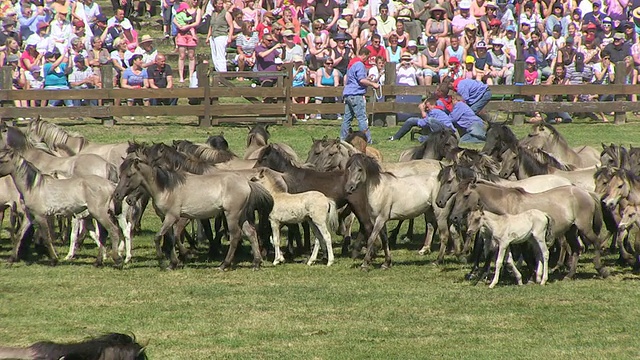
260, 200
597, 214
112, 173
548, 233
332, 219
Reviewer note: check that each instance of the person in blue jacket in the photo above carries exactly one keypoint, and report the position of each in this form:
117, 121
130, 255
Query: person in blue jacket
443, 102
475, 93
469, 125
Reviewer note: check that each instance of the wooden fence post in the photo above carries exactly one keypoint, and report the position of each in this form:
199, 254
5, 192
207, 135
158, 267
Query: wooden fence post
287, 82
389, 79
518, 77
5, 75
621, 70
202, 71
106, 74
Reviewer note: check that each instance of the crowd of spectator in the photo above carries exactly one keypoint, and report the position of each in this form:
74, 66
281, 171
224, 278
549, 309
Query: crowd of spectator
572, 42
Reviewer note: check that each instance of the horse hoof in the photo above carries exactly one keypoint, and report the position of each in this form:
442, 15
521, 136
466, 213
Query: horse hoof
224, 267
53, 262
424, 251
255, 268
386, 266
97, 264
364, 268
604, 272
470, 276
11, 260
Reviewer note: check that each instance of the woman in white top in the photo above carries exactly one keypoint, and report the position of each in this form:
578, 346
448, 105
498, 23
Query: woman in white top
406, 74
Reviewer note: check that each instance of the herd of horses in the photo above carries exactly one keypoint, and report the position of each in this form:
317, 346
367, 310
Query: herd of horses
534, 198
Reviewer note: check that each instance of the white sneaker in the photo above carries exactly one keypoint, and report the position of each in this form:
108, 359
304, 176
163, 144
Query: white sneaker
318, 116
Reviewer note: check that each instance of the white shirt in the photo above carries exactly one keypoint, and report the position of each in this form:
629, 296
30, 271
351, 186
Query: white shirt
91, 11
44, 43
126, 24
60, 31
406, 75
33, 82
77, 75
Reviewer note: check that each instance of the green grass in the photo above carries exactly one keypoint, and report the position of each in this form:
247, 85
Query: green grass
415, 310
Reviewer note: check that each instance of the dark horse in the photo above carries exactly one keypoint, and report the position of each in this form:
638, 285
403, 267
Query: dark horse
218, 142
330, 183
106, 347
437, 146
499, 138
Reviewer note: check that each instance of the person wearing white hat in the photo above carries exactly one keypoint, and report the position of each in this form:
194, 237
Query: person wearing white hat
147, 50
500, 68
291, 49
464, 18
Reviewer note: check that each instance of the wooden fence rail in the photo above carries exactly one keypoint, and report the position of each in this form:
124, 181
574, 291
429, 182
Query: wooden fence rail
248, 102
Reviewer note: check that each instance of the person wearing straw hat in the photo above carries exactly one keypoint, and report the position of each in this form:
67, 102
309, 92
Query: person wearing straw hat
61, 30
147, 50
354, 95
406, 73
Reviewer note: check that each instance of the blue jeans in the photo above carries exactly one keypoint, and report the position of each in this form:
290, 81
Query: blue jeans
481, 103
475, 134
67, 102
406, 127
83, 102
355, 106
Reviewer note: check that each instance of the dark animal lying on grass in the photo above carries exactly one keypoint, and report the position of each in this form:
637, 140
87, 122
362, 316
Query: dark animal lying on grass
112, 346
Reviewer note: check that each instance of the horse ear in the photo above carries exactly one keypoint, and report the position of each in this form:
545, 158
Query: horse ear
603, 146
249, 127
221, 133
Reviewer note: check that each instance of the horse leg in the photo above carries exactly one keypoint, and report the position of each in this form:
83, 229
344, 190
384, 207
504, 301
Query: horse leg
571, 238
499, 259
293, 234
215, 245
316, 243
126, 226
47, 233
589, 235
235, 233
377, 227
393, 237
476, 257
206, 229
103, 218
624, 254
429, 220
385, 247
178, 229
167, 224
142, 203
344, 217
275, 241
513, 267
249, 231
307, 239
73, 237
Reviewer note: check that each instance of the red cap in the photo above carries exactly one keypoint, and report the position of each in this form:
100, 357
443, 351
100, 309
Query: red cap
78, 23
495, 21
591, 26
454, 60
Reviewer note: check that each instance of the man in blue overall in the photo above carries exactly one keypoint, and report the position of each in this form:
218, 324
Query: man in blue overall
469, 125
354, 92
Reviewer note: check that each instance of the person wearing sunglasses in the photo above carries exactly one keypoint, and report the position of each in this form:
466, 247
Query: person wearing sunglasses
266, 54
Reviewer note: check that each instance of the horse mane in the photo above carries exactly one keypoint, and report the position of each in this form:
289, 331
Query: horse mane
606, 171
554, 133
205, 153
135, 146
278, 183
349, 146
112, 346
32, 174
505, 133
167, 156
166, 178
618, 153
258, 132
370, 166
546, 158
481, 162
437, 140
280, 157
53, 134
626, 175
218, 142
355, 134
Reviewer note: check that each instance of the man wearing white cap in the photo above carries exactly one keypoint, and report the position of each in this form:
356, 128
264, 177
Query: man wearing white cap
291, 49
500, 68
464, 18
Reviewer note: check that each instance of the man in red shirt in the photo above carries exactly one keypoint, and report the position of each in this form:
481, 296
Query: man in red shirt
375, 50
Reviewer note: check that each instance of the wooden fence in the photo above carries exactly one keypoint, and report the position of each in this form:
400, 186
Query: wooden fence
249, 104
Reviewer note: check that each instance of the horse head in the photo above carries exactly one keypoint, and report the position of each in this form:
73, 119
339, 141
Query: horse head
466, 199
361, 169
130, 178
218, 142
509, 162
499, 138
619, 187
317, 146
474, 220
449, 178
258, 135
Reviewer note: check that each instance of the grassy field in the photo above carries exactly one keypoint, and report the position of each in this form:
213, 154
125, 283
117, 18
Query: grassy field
415, 310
